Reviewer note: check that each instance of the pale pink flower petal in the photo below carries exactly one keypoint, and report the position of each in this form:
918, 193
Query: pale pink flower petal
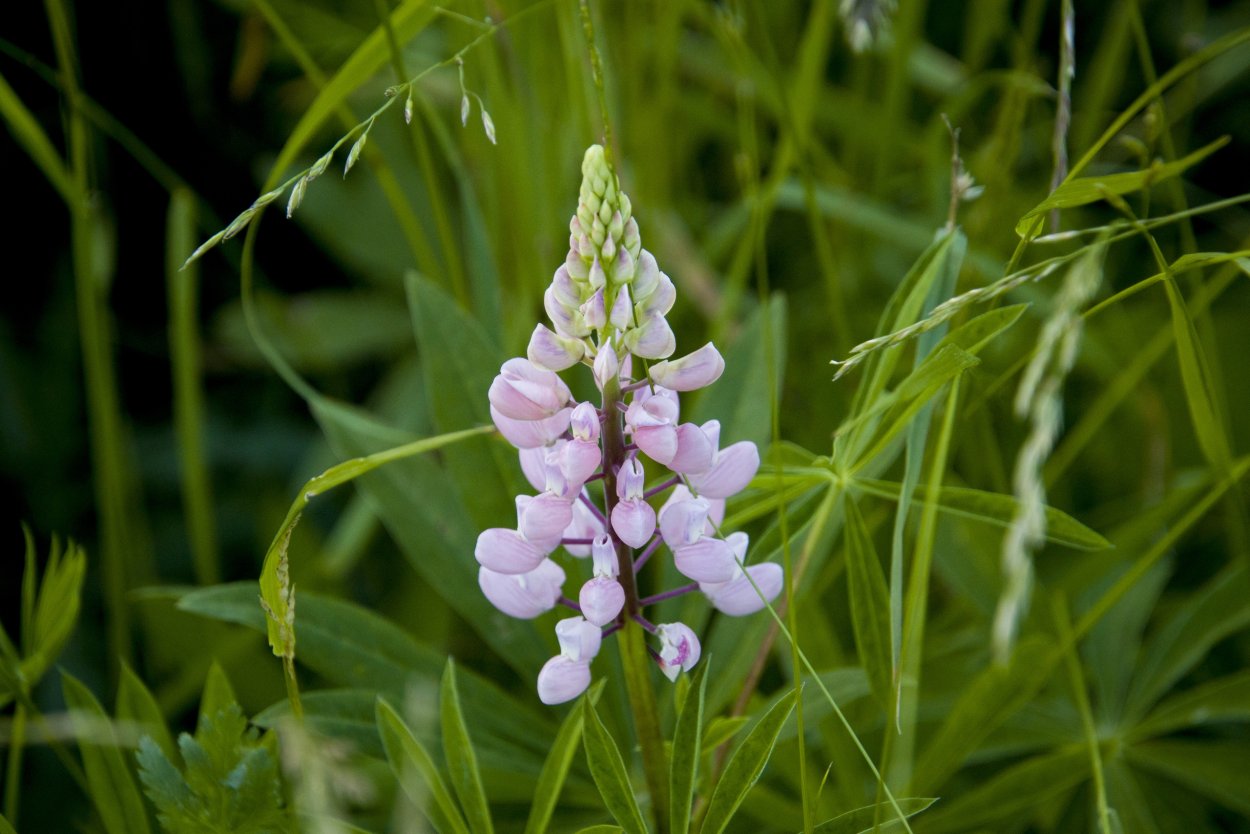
738, 598
562, 680
601, 600
579, 640
523, 391
682, 522
661, 299
579, 459
734, 468
653, 339
552, 351
507, 551
544, 519
607, 367
585, 422
646, 276
634, 522
622, 314
530, 434
523, 595
707, 560
657, 442
594, 312
692, 372
679, 649
695, 452
568, 320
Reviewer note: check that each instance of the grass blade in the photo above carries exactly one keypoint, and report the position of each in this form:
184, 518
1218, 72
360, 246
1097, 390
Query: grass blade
416, 772
466, 779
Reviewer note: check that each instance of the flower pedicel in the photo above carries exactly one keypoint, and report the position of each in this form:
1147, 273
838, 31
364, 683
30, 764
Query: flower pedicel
607, 306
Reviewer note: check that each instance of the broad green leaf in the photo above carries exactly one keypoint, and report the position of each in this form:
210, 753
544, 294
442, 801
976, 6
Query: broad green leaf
1082, 191
217, 695
1011, 793
416, 772
1213, 768
1223, 699
745, 767
608, 770
459, 362
135, 703
556, 767
992, 508
721, 729
687, 749
113, 790
466, 779
273, 589
870, 603
1209, 615
862, 819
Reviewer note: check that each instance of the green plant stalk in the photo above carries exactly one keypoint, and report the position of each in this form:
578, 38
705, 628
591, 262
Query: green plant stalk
1081, 695
634, 656
13, 772
184, 351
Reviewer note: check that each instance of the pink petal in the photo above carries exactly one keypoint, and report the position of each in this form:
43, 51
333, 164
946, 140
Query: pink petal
707, 560
579, 640
579, 459
585, 422
694, 451
738, 598
654, 339
679, 649
530, 434
682, 522
692, 372
657, 442
601, 600
562, 680
552, 351
634, 522
733, 470
524, 595
507, 551
543, 521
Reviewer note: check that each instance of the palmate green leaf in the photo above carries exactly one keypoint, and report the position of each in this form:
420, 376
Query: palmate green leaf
466, 779
745, 767
862, 819
1012, 792
687, 749
556, 767
135, 703
870, 604
1216, 769
459, 362
992, 508
416, 772
271, 589
1209, 615
607, 768
1223, 699
113, 791
1085, 190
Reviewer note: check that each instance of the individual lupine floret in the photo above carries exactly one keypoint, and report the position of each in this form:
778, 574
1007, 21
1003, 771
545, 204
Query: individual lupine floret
732, 468
651, 420
523, 391
679, 649
738, 597
602, 597
691, 372
633, 518
696, 555
523, 595
567, 675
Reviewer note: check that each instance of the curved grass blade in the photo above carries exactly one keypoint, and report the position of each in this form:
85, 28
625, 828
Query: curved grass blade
687, 747
861, 819
416, 772
608, 770
745, 767
466, 778
556, 767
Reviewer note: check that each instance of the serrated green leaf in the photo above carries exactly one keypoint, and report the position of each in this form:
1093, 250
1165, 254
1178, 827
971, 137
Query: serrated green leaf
870, 603
556, 767
466, 779
416, 772
136, 703
1223, 699
862, 819
217, 695
687, 749
993, 508
745, 767
1011, 793
1085, 190
113, 791
607, 768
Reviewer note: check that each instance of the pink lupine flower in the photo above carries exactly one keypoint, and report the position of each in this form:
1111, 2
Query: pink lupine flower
553, 352
653, 339
691, 372
531, 434
622, 309
523, 391
541, 519
633, 518
578, 460
683, 521
602, 597
594, 311
706, 560
679, 650
738, 596
585, 423
507, 551
523, 595
715, 507
732, 467
607, 367
562, 679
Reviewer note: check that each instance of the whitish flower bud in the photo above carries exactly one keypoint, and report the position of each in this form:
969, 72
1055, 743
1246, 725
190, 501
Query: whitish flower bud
523, 595
646, 276
606, 367
593, 311
616, 225
464, 110
653, 340
623, 269
577, 268
622, 309
488, 125
679, 649
552, 351
661, 299
631, 240
568, 320
692, 372
603, 557
564, 286
598, 278
585, 422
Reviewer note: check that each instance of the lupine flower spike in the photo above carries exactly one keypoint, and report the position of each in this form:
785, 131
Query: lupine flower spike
607, 305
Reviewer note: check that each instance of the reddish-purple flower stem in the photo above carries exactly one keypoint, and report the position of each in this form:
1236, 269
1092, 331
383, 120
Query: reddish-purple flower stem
644, 622
563, 600
676, 592
656, 490
646, 554
585, 499
574, 542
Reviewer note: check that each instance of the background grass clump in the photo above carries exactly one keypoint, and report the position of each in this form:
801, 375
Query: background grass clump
1016, 526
